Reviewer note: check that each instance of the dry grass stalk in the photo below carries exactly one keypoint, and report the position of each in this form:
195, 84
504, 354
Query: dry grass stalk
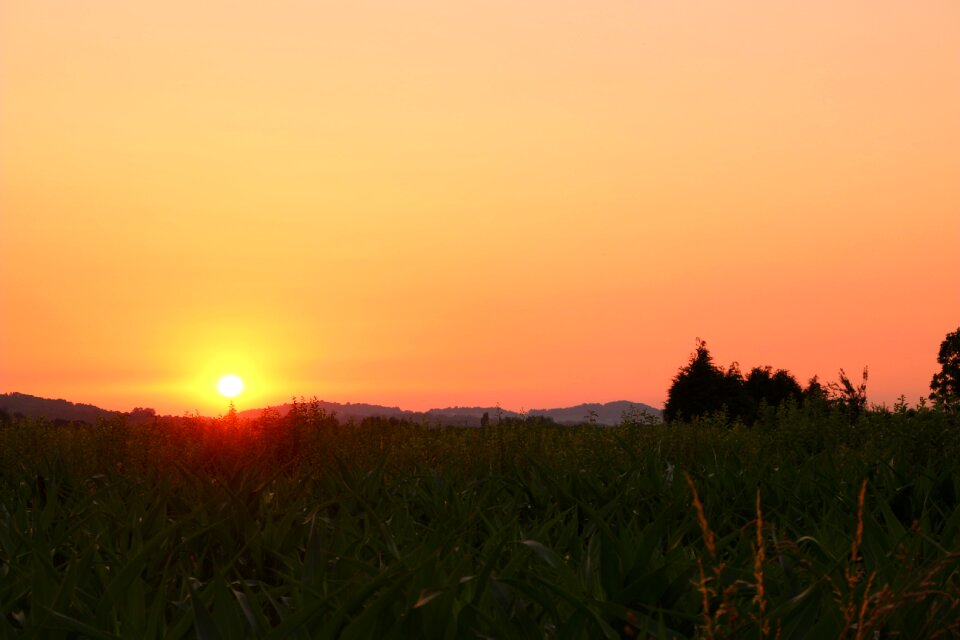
702, 519
759, 558
861, 629
852, 573
705, 594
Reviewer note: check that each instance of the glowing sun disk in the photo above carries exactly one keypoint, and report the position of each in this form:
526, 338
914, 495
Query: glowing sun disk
230, 386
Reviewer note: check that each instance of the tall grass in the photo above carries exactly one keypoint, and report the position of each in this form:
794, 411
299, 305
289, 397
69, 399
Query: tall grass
804, 525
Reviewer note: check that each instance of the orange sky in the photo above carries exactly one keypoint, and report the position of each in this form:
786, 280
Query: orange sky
427, 203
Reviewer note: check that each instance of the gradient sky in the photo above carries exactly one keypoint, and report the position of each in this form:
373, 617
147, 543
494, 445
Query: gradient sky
428, 203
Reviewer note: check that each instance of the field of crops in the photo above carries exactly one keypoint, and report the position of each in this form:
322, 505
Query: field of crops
803, 526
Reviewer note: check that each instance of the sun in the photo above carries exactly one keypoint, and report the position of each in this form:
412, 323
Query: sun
230, 386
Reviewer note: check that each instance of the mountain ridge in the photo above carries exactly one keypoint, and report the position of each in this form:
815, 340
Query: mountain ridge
52, 409
607, 413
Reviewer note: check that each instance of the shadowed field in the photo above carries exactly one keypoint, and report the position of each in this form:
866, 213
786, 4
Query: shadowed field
804, 525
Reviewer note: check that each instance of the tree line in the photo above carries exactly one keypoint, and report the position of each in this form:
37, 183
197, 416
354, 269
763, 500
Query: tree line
702, 388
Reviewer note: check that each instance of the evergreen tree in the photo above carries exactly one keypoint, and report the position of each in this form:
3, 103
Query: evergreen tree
698, 389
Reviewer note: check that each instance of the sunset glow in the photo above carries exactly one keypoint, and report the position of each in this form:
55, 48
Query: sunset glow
445, 203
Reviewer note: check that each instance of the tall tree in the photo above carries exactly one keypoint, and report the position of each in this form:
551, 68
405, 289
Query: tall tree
945, 386
698, 388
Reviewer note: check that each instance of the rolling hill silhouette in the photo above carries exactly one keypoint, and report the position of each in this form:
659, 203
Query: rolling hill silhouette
37, 407
609, 413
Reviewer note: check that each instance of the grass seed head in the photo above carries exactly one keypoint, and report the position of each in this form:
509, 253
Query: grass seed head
702, 519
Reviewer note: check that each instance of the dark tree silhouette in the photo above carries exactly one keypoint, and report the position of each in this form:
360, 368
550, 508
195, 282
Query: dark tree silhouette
945, 386
737, 401
700, 388
814, 391
764, 386
852, 399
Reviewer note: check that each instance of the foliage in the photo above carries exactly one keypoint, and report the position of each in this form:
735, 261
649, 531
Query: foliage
945, 386
702, 388
304, 527
766, 387
851, 399
699, 389
814, 391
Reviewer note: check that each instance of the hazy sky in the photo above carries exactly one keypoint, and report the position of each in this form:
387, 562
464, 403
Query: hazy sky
436, 202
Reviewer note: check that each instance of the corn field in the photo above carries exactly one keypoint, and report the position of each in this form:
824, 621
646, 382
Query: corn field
803, 526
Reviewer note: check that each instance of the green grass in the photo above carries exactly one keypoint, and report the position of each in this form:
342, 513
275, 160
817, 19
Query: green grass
305, 528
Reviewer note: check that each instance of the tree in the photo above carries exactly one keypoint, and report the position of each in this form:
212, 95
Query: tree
851, 398
765, 386
231, 419
738, 402
699, 388
143, 415
945, 386
814, 391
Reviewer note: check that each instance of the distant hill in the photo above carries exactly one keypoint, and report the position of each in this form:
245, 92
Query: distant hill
610, 413
36, 407
358, 410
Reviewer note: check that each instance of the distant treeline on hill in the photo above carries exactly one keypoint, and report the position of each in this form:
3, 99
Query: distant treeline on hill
609, 413
23, 405
16, 405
